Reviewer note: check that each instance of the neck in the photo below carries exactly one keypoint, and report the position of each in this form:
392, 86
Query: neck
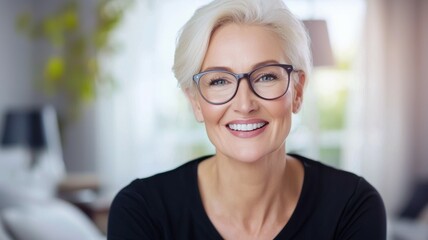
251, 190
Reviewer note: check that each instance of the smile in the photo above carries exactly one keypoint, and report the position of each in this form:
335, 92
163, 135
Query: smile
246, 127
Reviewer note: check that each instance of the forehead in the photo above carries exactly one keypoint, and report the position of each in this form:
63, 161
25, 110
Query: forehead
240, 47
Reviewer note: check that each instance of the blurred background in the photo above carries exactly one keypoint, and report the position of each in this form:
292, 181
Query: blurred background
88, 102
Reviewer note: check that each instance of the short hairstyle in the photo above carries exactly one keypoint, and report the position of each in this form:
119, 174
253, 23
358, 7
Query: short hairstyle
194, 37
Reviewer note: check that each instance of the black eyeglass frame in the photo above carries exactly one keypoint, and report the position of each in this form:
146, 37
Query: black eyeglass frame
239, 76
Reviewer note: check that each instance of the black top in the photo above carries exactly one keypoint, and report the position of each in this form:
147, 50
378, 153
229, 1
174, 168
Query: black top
333, 204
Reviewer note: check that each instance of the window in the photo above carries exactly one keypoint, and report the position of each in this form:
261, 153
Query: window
321, 125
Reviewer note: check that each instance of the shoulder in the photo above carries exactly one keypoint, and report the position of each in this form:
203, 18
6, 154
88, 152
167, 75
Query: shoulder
333, 180
144, 207
162, 185
346, 199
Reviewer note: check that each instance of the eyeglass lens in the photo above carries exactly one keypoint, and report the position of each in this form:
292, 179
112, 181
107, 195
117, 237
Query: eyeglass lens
268, 82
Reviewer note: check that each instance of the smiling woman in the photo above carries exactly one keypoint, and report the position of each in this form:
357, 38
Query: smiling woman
271, 109
250, 188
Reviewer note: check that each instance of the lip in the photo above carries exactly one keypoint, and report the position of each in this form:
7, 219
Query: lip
247, 134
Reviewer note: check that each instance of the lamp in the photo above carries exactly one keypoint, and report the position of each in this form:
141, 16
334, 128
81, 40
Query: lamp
27, 129
322, 53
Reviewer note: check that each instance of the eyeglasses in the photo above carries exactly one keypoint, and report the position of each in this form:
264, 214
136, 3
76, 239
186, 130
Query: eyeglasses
268, 82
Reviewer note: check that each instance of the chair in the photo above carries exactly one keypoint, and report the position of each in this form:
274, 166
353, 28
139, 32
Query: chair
31, 169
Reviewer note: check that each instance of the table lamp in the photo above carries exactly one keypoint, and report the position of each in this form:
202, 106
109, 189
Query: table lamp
25, 129
322, 53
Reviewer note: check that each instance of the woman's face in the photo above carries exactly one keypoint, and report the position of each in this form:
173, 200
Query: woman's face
239, 49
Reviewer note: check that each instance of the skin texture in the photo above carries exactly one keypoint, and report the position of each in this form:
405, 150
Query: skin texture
250, 187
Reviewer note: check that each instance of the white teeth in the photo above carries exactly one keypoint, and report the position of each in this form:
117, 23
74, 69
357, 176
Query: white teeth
246, 127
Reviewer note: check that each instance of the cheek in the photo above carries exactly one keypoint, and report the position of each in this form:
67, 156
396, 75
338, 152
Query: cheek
212, 121
283, 107
212, 113
281, 112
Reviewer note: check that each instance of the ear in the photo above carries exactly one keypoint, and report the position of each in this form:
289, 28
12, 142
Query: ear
191, 95
298, 91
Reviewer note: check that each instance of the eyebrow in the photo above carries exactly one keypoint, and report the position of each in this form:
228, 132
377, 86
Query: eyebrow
230, 70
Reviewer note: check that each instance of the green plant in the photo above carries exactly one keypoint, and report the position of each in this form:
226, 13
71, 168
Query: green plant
73, 67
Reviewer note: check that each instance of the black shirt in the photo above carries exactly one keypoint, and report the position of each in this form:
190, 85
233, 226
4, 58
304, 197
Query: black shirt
333, 204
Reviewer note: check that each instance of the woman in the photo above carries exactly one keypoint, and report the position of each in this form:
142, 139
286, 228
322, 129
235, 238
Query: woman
243, 65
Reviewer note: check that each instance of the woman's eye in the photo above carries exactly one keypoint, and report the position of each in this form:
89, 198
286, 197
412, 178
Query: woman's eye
218, 82
267, 77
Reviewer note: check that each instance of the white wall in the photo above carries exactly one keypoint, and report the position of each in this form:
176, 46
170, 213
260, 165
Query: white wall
19, 60
420, 108
16, 57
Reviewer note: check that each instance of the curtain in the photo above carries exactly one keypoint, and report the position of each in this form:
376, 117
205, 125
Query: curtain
380, 138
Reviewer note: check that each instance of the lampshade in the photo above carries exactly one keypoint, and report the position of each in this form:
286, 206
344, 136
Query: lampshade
322, 53
24, 128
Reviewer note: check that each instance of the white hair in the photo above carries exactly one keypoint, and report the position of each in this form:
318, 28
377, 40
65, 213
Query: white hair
195, 35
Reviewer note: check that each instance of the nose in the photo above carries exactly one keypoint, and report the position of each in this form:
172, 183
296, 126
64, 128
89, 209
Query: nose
245, 100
